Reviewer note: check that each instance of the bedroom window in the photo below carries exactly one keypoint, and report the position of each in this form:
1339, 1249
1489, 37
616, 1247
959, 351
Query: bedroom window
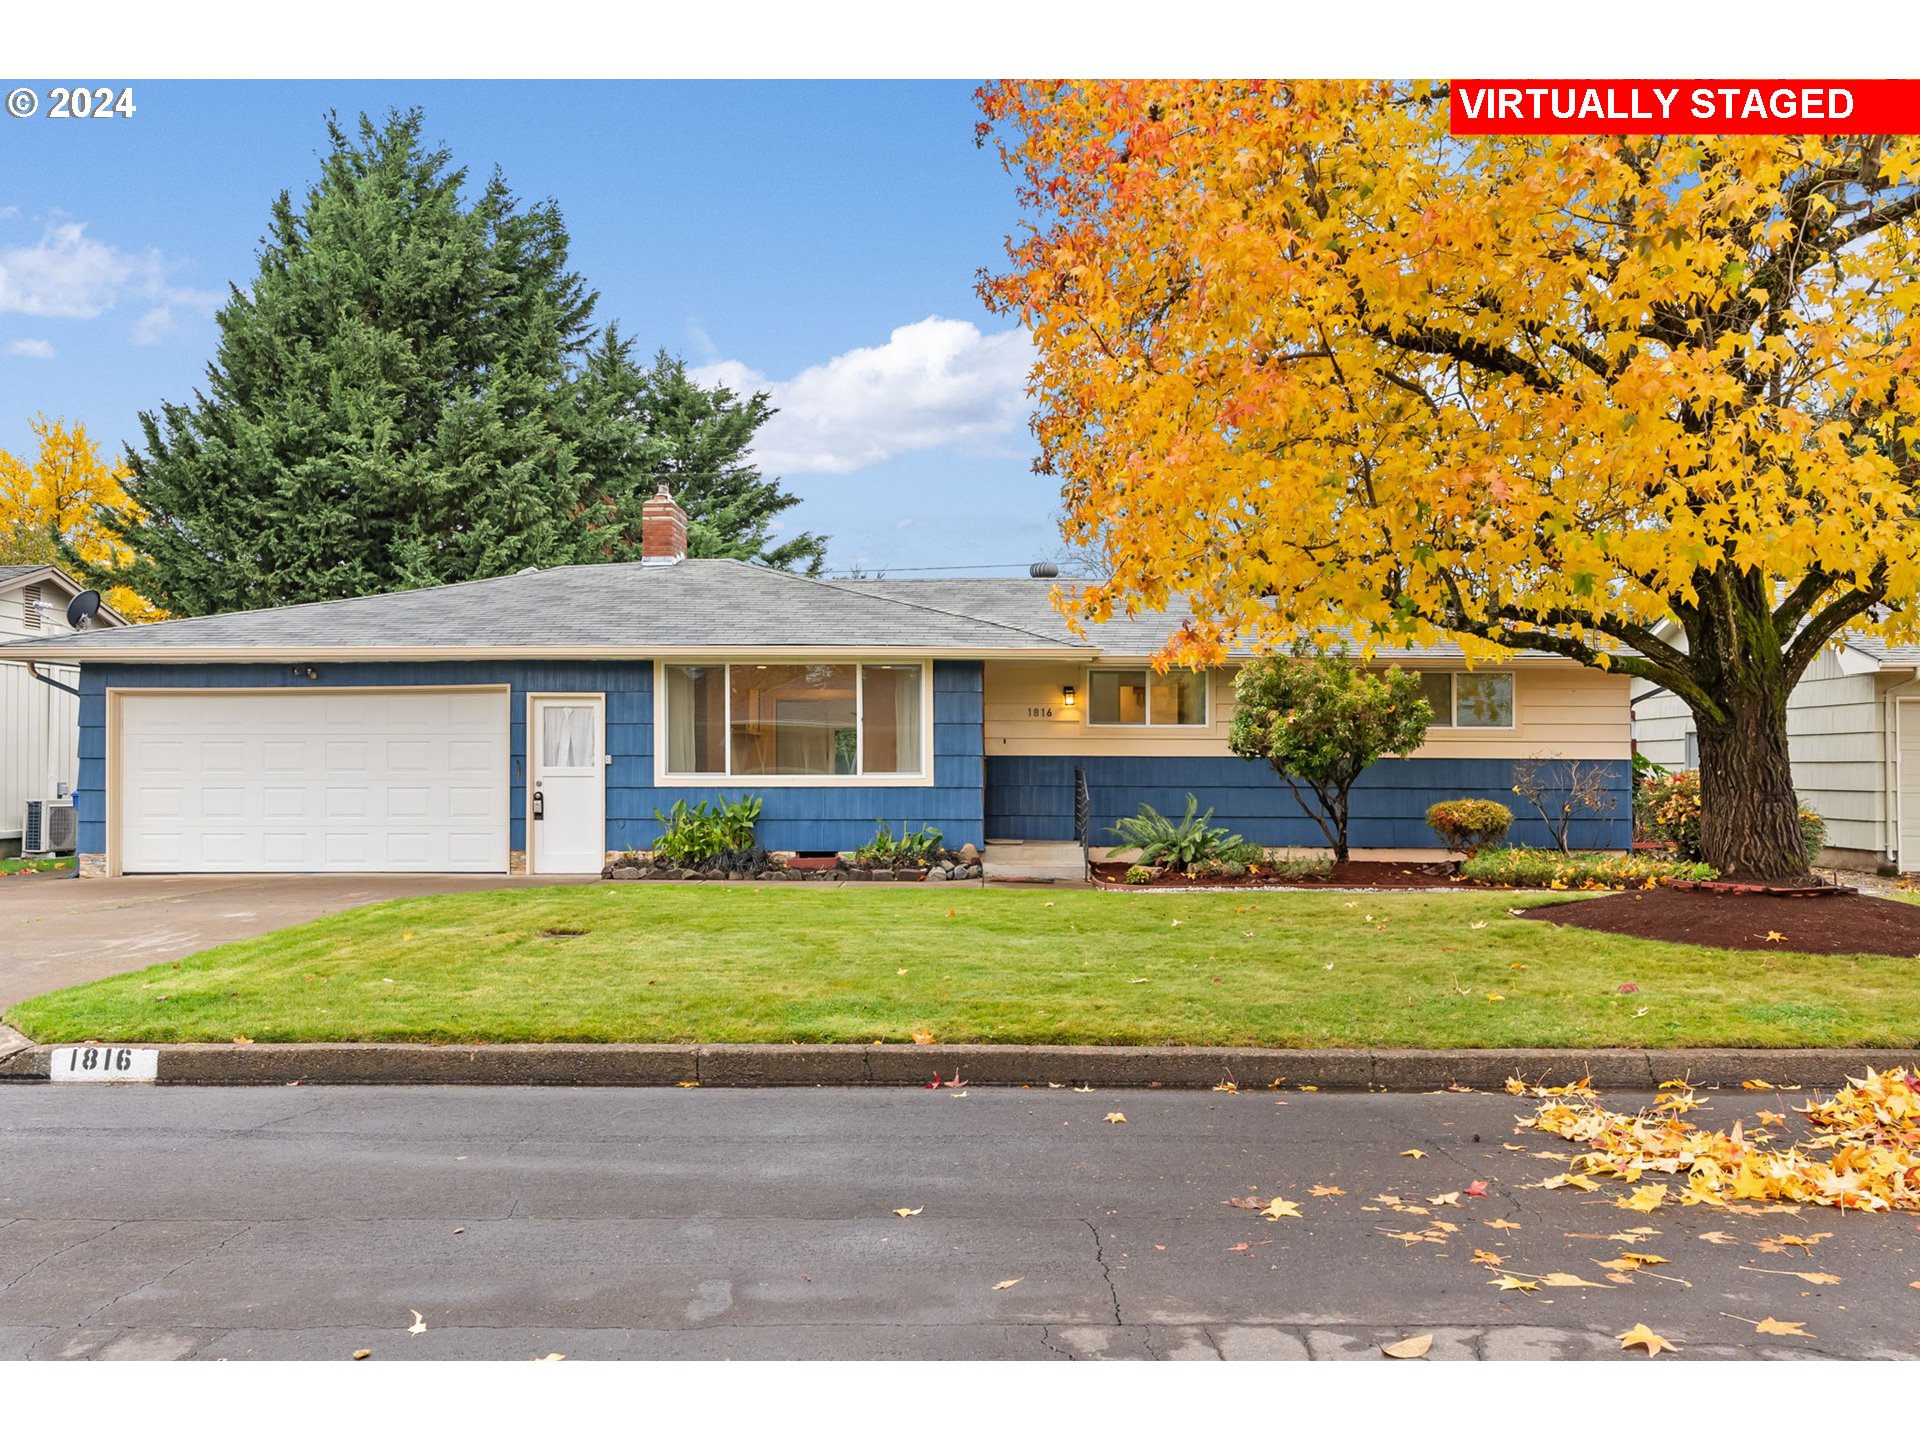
1468, 701
786, 719
1141, 697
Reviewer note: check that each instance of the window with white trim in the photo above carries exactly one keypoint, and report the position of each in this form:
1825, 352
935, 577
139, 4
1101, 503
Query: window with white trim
1142, 697
799, 719
1468, 700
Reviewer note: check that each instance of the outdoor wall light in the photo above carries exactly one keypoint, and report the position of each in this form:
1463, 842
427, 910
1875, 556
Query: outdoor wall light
306, 670
1066, 696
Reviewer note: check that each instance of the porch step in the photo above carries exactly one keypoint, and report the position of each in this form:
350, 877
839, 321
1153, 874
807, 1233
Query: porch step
1032, 860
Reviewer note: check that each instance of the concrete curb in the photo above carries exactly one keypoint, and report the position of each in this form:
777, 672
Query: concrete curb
1169, 1067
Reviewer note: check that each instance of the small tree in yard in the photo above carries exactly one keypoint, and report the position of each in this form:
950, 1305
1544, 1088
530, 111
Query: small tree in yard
1563, 791
1319, 722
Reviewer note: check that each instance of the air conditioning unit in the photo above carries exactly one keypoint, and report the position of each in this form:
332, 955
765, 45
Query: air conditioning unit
51, 828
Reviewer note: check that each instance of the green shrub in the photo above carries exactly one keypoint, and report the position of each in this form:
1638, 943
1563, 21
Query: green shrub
887, 851
1578, 870
1667, 807
1470, 825
692, 835
1140, 874
1299, 867
1182, 845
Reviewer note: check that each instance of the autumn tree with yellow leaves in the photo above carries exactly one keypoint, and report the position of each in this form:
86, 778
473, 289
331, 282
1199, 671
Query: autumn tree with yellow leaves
50, 509
1318, 366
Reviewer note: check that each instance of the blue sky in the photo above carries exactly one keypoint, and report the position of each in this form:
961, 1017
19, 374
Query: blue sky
795, 236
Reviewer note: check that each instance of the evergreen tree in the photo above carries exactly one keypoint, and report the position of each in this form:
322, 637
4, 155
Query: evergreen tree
398, 400
695, 440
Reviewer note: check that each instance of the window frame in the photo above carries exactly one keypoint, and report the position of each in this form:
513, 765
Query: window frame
1452, 723
1146, 674
672, 779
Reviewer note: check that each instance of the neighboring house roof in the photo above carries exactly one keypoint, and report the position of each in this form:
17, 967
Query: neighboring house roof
14, 577
694, 607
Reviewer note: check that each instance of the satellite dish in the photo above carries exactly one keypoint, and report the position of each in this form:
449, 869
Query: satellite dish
82, 608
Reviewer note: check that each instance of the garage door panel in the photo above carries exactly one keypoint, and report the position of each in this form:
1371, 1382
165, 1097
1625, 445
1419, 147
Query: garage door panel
218, 781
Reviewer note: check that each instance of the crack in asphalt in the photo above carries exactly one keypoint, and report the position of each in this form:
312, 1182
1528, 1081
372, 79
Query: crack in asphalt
1106, 1271
64, 1249
218, 1246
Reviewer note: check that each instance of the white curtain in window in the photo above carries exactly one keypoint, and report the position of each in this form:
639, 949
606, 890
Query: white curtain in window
566, 737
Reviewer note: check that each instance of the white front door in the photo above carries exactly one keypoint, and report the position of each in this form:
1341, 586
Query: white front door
567, 823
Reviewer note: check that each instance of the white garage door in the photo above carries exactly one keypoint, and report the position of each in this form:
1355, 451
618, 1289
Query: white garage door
368, 780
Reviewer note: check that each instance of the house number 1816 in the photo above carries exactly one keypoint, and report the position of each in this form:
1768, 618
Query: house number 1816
1040, 712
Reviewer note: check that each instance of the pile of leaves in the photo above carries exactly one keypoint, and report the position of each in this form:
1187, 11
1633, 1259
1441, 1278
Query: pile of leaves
1869, 1133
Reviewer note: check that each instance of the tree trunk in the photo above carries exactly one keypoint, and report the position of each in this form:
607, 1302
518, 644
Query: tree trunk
1749, 814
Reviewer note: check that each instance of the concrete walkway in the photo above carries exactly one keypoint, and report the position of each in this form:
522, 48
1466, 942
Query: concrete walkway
56, 932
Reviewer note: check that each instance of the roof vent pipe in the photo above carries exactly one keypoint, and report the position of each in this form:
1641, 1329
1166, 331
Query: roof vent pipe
1043, 570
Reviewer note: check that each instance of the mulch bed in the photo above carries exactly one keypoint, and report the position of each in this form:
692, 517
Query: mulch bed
1838, 924
1354, 875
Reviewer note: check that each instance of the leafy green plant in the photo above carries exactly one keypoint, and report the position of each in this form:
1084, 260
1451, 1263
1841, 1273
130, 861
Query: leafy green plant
1140, 875
1181, 844
1522, 865
1283, 866
1319, 721
695, 834
887, 851
1470, 825
1667, 807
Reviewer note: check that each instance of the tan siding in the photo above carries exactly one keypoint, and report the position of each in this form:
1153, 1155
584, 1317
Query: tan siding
1560, 711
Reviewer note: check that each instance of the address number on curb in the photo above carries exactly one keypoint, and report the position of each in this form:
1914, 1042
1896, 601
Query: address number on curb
103, 1062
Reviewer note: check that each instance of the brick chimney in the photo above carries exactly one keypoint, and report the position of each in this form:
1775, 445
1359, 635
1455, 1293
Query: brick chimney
663, 530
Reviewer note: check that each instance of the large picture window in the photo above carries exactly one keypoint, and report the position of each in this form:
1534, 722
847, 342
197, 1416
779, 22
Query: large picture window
1141, 697
1465, 701
794, 720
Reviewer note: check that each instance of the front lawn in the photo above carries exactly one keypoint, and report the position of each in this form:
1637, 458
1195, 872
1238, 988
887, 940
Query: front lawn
778, 963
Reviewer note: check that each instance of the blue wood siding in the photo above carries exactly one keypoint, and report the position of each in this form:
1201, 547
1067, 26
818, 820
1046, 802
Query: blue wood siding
810, 818
1030, 797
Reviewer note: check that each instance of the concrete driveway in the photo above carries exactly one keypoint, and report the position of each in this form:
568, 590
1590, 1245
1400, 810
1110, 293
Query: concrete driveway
58, 931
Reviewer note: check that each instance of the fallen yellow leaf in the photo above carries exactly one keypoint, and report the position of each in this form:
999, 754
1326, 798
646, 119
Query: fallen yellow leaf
419, 1325
361, 1354
1414, 1154
923, 1036
1321, 1191
1640, 1335
1509, 1282
1411, 1348
1760, 1084
1452, 1197
1771, 1326
1500, 1224
1561, 1280
904, 1213
550, 1355
1812, 1277
1114, 1117
1280, 1209
1646, 1199
1717, 1237
1009, 1284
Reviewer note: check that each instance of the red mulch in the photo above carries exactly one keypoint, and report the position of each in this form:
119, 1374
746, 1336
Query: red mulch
1354, 875
1840, 924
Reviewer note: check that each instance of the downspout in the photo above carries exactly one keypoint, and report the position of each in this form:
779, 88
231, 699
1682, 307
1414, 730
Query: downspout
34, 671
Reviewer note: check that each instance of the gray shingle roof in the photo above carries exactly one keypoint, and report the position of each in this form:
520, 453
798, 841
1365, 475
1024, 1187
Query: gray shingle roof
587, 609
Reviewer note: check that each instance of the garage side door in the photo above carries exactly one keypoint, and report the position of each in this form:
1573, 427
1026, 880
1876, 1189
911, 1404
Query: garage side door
313, 781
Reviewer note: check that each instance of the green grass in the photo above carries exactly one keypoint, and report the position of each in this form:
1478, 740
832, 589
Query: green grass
35, 864
779, 963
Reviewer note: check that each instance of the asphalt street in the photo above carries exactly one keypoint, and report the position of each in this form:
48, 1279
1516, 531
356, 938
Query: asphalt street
296, 1222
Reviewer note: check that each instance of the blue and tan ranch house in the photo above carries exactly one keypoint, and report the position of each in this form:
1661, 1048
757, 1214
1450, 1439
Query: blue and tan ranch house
538, 720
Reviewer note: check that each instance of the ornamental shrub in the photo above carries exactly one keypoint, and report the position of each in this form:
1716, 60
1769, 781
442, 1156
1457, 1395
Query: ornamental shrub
1667, 807
1524, 866
1140, 874
1470, 825
1181, 844
695, 834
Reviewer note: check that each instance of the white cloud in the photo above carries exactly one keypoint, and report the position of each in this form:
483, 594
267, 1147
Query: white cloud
9, 212
935, 383
68, 275
37, 349
154, 326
